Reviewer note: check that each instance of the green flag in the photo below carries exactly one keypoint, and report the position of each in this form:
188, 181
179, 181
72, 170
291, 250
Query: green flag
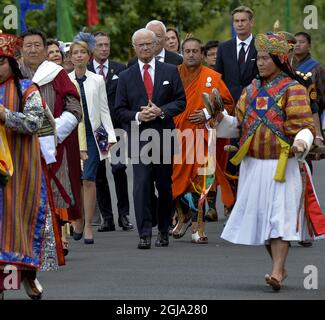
64, 22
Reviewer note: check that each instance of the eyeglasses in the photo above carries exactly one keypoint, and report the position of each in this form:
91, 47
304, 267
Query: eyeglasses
142, 45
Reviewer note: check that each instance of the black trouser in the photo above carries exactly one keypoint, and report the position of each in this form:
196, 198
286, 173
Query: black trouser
145, 177
103, 192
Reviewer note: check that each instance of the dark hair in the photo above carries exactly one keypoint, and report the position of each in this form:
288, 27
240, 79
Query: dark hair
101, 34
245, 9
304, 34
34, 32
209, 45
192, 39
177, 36
17, 76
50, 42
286, 68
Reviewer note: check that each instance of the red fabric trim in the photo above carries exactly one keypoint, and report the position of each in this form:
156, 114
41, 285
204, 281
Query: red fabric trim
313, 211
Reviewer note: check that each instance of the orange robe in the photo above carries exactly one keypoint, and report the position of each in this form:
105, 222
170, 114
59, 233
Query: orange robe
195, 83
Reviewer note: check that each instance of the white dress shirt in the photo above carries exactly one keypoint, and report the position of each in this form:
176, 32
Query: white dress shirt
161, 55
151, 71
246, 47
97, 67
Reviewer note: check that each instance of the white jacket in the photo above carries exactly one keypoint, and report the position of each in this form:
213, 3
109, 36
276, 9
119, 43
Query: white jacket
98, 110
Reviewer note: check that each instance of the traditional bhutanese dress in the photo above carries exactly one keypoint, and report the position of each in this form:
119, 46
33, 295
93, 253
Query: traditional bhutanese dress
62, 98
26, 230
270, 201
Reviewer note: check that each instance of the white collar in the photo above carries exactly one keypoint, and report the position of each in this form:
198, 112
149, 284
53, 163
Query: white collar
152, 64
96, 64
162, 54
46, 73
74, 76
247, 41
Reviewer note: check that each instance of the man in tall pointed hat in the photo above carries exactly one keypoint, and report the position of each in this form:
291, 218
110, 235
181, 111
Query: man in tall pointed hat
275, 122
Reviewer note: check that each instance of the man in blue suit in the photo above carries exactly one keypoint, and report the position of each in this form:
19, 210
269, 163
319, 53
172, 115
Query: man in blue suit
149, 94
236, 58
236, 61
110, 70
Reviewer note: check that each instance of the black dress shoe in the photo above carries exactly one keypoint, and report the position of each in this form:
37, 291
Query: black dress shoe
144, 243
77, 236
106, 226
125, 224
89, 241
305, 244
162, 239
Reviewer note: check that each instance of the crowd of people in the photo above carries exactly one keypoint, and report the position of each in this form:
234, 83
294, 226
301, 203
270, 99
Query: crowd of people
63, 107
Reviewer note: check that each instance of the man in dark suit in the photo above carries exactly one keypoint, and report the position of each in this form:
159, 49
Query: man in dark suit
161, 54
236, 58
236, 61
110, 70
149, 94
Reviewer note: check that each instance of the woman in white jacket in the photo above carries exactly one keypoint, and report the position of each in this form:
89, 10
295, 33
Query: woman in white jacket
96, 118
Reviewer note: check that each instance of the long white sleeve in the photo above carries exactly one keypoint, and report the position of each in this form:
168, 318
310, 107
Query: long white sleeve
227, 127
307, 136
65, 125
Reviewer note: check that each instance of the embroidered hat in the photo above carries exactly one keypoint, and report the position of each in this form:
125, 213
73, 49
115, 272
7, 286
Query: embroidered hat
273, 44
289, 37
9, 43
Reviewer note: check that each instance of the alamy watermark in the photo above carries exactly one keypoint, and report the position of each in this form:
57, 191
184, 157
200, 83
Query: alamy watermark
311, 18
311, 280
165, 146
10, 21
10, 278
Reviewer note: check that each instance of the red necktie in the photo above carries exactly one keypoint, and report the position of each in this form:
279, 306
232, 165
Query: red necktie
147, 81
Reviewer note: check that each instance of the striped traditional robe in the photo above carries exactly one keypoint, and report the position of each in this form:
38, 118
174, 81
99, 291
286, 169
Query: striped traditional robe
294, 103
23, 199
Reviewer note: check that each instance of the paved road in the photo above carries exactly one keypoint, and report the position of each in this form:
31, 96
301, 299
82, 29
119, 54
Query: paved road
114, 269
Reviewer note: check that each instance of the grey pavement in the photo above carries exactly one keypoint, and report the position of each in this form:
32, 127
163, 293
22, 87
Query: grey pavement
113, 268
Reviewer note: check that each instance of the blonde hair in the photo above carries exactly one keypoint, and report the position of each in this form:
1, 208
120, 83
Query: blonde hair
245, 9
82, 44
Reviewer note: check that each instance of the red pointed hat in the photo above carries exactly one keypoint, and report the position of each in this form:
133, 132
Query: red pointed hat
9, 43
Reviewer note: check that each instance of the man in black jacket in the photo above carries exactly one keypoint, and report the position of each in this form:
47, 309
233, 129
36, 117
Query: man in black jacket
236, 61
161, 54
149, 94
236, 58
110, 70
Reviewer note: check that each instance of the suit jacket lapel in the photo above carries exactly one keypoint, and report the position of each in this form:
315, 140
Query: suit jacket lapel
111, 71
251, 53
233, 57
89, 94
158, 79
138, 78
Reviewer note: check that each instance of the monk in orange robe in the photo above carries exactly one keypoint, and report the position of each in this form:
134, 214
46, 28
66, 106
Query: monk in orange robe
186, 178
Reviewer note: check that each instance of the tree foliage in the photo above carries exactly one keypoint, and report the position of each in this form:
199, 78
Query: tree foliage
207, 19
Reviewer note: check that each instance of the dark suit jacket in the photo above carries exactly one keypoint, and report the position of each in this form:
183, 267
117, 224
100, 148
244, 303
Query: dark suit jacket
170, 57
114, 69
168, 94
227, 65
